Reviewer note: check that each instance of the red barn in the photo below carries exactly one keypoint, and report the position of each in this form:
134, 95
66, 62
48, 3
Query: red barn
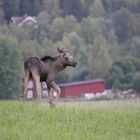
77, 89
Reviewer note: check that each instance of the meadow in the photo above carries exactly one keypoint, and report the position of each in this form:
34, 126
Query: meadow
96, 120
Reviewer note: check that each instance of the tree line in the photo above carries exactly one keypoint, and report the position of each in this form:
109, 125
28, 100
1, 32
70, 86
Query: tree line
104, 35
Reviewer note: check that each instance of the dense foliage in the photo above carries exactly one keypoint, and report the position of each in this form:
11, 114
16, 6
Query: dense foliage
104, 35
10, 66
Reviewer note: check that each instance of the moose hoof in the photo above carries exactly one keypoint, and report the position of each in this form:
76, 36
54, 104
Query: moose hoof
52, 104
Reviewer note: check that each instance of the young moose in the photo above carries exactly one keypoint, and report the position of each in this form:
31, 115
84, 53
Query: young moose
45, 70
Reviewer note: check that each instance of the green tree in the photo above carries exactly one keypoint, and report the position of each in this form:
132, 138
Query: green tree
116, 84
70, 24
115, 50
43, 29
97, 9
20, 33
47, 43
75, 39
76, 8
31, 48
115, 73
134, 25
135, 47
122, 70
61, 25
11, 8
57, 28
1, 12
92, 27
51, 7
99, 58
30, 7
82, 71
121, 21
10, 68
136, 83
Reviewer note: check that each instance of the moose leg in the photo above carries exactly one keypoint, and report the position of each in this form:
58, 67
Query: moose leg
50, 96
34, 90
25, 85
36, 79
53, 85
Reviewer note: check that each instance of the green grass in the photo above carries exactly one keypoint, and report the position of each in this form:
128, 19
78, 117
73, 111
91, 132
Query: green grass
70, 121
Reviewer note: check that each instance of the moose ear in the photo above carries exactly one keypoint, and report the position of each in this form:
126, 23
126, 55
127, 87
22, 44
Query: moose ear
60, 50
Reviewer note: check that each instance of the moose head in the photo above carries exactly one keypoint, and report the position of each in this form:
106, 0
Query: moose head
67, 59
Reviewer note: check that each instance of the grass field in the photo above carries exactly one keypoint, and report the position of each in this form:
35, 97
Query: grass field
102, 120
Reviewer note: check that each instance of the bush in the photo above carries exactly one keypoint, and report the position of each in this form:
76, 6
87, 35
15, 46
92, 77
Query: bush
136, 83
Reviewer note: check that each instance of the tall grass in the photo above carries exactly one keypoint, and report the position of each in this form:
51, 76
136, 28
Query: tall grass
20, 121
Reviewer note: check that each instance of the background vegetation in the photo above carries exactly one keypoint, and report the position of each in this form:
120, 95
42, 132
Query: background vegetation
104, 35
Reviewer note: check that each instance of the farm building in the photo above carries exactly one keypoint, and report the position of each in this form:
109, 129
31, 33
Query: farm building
21, 20
72, 90
77, 89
